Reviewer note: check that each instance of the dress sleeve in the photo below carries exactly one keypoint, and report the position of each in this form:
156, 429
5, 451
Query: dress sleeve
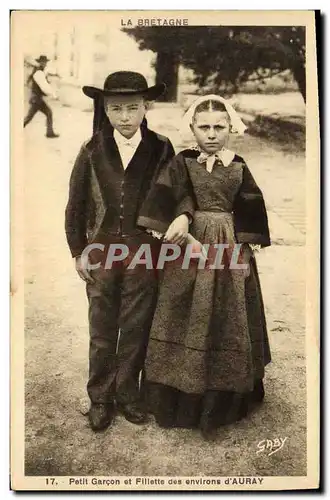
250, 215
170, 196
183, 189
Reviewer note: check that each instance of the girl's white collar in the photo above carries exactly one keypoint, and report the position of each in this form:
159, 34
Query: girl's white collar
226, 155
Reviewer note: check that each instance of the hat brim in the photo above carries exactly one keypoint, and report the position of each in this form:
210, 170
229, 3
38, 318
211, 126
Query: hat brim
150, 93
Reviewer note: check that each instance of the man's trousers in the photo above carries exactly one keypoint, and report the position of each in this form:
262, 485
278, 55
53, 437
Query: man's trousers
40, 105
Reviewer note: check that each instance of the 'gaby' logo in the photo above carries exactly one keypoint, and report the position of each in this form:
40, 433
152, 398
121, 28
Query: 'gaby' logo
271, 446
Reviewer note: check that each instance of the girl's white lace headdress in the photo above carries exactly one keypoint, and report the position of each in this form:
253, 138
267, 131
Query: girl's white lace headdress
237, 125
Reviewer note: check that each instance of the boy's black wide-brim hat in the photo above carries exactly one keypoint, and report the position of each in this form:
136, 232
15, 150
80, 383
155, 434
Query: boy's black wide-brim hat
125, 83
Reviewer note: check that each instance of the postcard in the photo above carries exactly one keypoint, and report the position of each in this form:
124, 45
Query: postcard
165, 241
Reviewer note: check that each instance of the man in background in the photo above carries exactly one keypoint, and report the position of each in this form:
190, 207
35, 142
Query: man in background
40, 88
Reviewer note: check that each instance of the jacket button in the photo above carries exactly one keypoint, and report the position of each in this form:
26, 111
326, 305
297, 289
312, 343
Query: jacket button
121, 205
121, 217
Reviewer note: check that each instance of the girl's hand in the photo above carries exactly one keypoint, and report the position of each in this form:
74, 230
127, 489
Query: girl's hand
197, 247
178, 230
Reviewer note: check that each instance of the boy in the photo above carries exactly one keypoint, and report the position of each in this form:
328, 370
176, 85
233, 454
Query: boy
111, 178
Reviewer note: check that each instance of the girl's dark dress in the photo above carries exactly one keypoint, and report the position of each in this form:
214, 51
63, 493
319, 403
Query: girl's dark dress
208, 343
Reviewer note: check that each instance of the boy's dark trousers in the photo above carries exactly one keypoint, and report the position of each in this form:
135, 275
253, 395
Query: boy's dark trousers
104, 203
121, 307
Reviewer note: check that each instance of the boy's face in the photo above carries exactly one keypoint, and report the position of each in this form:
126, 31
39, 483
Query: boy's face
125, 113
211, 129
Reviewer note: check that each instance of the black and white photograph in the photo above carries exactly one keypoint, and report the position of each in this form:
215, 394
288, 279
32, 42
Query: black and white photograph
165, 180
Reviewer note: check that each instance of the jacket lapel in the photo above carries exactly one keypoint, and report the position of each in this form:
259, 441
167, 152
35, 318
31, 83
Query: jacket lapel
110, 159
140, 169
139, 172
110, 150
141, 157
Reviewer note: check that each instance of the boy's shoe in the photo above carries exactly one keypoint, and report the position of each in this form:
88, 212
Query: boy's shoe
101, 415
133, 413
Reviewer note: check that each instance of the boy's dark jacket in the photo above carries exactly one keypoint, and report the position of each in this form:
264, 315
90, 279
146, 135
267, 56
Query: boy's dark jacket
173, 184
104, 200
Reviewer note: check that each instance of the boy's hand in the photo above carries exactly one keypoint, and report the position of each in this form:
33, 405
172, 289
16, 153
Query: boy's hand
82, 270
178, 230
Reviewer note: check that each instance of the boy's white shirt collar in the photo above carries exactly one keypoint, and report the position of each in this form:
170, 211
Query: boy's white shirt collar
122, 140
127, 147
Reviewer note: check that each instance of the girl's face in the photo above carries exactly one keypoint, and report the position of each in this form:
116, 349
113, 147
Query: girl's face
211, 129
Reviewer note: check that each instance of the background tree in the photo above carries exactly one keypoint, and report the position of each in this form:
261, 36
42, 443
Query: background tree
224, 57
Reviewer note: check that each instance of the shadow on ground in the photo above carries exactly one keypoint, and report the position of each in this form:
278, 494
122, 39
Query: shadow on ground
290, 134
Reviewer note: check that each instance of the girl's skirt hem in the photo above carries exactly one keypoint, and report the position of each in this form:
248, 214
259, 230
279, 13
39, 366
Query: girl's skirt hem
207, 411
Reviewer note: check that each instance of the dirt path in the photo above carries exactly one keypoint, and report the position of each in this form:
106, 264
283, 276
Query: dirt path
58, 439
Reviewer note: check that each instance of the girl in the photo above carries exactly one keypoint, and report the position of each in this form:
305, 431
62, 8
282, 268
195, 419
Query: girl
208, 344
